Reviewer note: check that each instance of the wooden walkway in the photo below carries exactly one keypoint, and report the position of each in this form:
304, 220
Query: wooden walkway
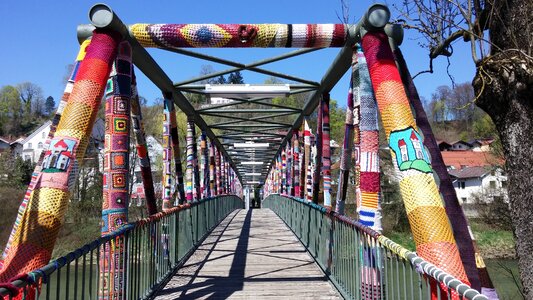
250, 255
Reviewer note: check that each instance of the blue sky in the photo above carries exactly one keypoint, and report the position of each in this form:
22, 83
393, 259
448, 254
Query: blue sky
39, 40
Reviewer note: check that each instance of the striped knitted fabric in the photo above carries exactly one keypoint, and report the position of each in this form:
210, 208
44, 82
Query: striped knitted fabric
288, 153
116, 170
369, 208
218, 170
142, 149
189, 173
205, 166
296, 164
301, 161
284, 171
223, 174
308, 160
31, 249
326, 151
176, 153
63, 102
212, 189
346, 154
427, 216
317, 160
168, 111
196, 176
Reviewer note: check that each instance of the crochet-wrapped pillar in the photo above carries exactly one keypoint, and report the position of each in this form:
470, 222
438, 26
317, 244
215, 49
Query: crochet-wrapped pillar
369, 206
326, 151
116, 172
168, 111
176, 150
212, 185
307, 162
142, 149
196, 175
30, 248
218, 170
318, 155
472, 261
189, 173
346, 154
284, 170
206, 192
63, 102
427, 216
296, 163
288, 151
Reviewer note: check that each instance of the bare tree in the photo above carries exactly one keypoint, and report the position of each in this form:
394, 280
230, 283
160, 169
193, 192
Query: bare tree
501, 44
32, 97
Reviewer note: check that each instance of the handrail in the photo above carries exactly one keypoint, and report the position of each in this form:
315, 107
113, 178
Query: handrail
347, 251
148, 261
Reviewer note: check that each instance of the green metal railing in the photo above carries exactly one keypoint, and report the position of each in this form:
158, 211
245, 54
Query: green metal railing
360, 262
153, 248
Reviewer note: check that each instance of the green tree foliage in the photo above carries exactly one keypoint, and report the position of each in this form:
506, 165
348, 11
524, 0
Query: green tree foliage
22, 109
15, 172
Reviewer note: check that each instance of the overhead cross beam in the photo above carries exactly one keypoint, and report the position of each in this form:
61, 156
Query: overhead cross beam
262, 125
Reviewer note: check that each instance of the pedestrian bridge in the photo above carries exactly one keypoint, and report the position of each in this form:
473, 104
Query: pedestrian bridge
202, 239
215, 249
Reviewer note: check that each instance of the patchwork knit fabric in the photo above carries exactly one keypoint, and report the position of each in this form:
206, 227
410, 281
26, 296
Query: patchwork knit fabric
240, 35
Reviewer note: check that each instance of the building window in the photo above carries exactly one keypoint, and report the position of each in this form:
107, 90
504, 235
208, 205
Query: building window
40, 145
492, 184
43, 135
30, 146
504, 184
463, 199
461, 185
27, 157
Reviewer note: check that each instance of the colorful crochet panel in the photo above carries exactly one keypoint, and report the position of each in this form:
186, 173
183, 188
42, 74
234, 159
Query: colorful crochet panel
116, 170
32, 249
62, 103
240, 35
429, 223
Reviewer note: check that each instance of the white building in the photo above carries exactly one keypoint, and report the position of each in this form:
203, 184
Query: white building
33, 145
475, 185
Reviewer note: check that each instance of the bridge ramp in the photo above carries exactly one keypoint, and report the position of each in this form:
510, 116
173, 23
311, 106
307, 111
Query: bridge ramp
250, 255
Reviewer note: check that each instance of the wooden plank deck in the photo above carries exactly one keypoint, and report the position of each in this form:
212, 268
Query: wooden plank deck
250, 255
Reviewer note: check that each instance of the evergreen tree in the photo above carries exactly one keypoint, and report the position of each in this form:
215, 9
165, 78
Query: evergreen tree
235, 78
49, 105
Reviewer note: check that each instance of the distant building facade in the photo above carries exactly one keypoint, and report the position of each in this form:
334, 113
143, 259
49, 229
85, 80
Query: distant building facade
31, 147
